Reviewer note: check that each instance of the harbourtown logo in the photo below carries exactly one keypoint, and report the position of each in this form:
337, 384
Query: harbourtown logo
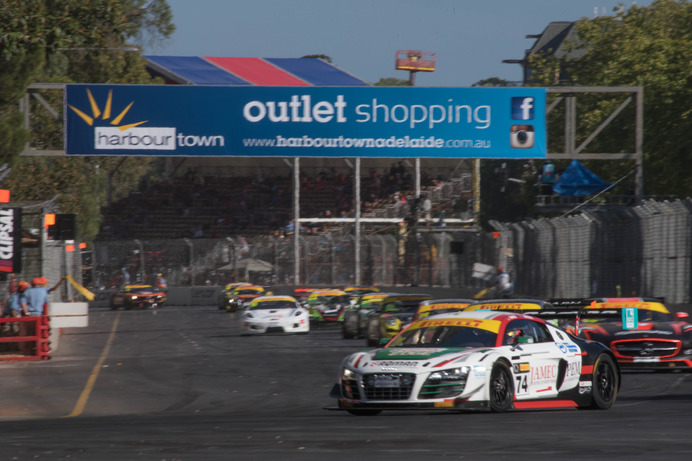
116, 133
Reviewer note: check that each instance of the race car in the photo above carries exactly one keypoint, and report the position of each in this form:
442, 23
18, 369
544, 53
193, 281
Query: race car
355, 318
241, 296
561, 314
483, 360
359, 290
275, 314
655, 338
226, 295
394, 312
441, 306
326, 305
138, 296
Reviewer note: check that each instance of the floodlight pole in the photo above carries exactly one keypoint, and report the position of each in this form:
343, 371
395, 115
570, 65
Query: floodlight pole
296, 220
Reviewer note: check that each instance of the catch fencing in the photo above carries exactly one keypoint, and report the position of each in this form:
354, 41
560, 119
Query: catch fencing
424, 257
645, 250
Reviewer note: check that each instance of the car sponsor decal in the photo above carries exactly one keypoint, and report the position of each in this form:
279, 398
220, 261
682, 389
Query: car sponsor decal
652, 306
505, 307
484, 324
567, 348
393, 363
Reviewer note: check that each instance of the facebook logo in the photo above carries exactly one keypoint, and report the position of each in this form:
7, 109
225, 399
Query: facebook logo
522, 108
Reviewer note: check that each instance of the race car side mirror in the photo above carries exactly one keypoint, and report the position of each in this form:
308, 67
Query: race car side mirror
682, 315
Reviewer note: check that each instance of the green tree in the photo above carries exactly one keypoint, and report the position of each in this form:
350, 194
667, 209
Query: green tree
391, 81
640, 46
70, 41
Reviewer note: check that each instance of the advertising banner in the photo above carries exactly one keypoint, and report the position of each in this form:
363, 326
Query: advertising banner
260, 121
10, 240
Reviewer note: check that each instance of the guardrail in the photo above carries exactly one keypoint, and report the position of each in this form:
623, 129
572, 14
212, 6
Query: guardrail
25, 338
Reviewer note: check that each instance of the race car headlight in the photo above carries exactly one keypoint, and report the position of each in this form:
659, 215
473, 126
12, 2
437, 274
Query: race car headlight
392, 321
247, 315
347, 374
453, 374
298, 313
134, 298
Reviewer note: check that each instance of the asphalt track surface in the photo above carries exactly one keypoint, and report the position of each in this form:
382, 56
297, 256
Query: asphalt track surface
181, 384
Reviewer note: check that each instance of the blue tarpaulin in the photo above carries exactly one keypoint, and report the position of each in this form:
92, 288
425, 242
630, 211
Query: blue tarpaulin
578, 180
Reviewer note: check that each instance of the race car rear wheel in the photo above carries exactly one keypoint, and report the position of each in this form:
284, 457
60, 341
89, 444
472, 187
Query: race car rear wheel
365, 412
501, 390
604, 388
349, 326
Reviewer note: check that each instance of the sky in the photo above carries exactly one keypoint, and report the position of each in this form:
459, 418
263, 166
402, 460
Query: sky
470, 37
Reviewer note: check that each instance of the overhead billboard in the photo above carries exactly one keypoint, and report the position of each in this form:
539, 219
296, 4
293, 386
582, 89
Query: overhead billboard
377, 122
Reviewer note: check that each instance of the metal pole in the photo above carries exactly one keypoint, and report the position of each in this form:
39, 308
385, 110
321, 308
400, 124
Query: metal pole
639, 143
417, 177
296, 222
356, 191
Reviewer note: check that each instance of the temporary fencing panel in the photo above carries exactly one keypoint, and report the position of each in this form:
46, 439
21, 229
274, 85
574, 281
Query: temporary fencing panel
644, 250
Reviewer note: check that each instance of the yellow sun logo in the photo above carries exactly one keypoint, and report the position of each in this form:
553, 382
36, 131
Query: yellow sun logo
106, 113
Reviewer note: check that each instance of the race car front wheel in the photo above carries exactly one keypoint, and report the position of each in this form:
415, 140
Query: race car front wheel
501, 390
604, 388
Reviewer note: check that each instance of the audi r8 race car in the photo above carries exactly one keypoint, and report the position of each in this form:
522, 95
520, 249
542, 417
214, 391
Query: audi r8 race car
275, 314
138, 296
478, 360
654, 339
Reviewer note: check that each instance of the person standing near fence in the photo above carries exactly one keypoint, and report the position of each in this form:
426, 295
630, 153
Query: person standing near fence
36, 297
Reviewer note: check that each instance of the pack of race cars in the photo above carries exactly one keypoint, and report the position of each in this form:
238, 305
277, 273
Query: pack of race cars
497, 355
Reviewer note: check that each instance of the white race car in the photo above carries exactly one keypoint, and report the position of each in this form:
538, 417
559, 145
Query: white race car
478, 360
275, 314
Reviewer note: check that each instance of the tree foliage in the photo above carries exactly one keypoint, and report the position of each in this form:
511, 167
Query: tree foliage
391, 81
649, 47
70, 41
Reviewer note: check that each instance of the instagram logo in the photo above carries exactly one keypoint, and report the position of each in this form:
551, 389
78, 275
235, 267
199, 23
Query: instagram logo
521, 136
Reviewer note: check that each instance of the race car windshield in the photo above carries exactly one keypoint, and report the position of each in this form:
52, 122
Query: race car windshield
273, 305
445, 336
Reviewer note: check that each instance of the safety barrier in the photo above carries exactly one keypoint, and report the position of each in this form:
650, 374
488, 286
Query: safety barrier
25, 338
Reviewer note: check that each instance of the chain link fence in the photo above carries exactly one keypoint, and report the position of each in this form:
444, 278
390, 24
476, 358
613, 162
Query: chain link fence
644, 250
426, 258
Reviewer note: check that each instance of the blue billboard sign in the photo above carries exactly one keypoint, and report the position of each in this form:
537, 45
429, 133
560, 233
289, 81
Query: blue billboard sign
217, 121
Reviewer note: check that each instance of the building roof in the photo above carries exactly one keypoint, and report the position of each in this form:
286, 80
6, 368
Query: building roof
207, 70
